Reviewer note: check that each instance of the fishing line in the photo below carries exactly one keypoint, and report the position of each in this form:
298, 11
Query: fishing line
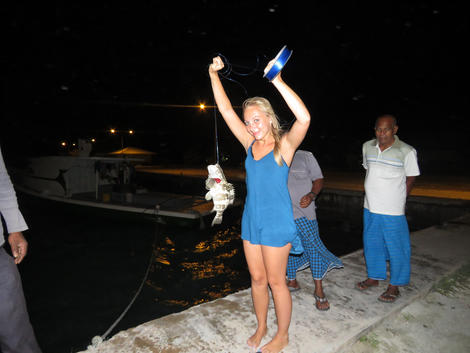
228, 70
216, 135
226, 73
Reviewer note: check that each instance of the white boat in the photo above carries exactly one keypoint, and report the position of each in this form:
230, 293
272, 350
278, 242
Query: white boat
105, 183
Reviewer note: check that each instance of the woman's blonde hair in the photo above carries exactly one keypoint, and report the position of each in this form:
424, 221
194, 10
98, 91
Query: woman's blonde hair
276, 130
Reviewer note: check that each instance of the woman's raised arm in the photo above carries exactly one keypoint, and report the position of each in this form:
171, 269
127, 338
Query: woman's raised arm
225, 106
292, 139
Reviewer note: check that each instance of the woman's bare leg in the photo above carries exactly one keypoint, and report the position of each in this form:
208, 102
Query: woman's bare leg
275, 260
259, 290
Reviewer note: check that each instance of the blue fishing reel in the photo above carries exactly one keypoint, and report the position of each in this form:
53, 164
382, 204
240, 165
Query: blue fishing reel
279, 62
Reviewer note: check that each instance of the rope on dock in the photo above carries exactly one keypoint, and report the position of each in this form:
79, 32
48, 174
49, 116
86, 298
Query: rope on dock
97, 340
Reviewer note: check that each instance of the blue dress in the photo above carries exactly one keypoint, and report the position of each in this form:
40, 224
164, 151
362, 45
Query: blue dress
268, 216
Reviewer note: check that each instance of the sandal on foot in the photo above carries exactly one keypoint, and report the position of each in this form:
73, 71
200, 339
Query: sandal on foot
292, 288
387, 297
364, 285
319, 301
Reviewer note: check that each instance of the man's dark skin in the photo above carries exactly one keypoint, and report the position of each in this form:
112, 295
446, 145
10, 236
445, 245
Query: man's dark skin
385, 130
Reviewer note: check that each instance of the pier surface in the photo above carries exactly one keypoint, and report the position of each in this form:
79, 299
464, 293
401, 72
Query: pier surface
432, 314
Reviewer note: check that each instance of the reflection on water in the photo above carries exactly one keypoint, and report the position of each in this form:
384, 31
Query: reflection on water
194, 267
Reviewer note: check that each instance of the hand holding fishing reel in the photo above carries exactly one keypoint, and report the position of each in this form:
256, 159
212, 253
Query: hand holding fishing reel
224, 68
278, 63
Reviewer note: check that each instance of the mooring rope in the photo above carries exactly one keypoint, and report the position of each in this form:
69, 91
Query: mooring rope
97, 340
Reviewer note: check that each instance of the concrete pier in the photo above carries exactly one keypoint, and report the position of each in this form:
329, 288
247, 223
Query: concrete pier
224, 324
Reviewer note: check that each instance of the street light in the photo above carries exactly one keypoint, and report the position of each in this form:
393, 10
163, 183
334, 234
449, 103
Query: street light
121, 133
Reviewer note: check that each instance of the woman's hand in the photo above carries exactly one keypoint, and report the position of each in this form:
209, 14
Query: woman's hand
217, 65
269, 66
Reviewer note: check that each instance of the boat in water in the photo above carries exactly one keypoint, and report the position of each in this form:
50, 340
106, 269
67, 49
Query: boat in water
106, 183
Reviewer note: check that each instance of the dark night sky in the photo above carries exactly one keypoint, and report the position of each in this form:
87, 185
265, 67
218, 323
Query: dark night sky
73, 70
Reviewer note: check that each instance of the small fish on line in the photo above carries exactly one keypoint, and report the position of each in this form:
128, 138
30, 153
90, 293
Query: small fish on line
220, 191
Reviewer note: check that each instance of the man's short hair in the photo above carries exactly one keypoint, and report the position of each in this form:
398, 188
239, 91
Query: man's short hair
390, 116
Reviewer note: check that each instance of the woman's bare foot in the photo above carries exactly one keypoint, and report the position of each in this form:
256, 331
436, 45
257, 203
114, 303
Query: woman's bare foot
276, 345
255, 340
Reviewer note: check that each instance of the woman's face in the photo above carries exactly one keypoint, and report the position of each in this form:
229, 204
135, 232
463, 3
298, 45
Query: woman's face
258, 124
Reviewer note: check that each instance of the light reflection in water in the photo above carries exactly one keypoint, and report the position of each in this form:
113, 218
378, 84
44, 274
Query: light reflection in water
195, 266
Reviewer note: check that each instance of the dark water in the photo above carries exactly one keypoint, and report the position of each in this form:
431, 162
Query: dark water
84, 267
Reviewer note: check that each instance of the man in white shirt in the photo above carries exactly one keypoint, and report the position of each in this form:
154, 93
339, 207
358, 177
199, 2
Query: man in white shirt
391, 169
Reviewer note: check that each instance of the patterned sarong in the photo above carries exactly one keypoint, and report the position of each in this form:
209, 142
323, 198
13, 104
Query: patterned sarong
387, 238
315, 253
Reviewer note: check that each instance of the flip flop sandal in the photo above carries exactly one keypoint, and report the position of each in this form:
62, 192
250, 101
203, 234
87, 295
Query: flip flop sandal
386, 297
293, 289
362, 286
321, 300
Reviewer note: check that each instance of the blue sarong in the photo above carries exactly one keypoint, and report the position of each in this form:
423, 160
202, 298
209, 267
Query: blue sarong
315, 254
387, 238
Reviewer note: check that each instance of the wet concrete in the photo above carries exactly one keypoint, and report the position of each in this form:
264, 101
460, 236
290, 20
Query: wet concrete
224, 325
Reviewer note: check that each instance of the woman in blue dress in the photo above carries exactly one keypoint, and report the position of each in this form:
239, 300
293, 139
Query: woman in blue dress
268, 227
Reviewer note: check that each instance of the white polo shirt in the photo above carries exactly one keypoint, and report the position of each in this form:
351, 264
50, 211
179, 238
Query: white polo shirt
385, 182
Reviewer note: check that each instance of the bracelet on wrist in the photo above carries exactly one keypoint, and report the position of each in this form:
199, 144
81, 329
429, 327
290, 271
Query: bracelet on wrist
313, 194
